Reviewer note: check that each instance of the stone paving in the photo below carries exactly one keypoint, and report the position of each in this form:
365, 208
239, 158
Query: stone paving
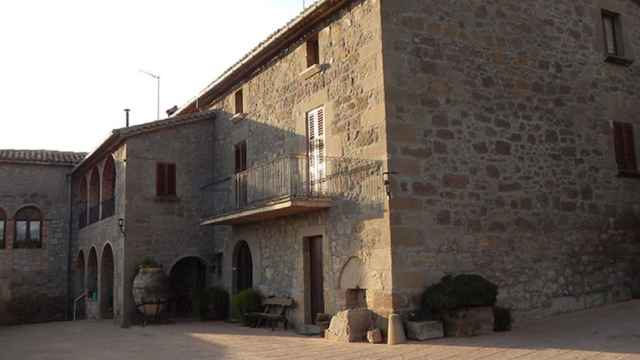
607, 333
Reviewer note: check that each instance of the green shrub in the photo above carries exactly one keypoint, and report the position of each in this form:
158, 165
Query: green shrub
213, 304
245, 302
458, 292
149, 262
502, 318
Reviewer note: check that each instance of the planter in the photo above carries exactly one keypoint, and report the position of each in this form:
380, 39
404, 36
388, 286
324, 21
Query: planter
424, 330
151, 291
469, 322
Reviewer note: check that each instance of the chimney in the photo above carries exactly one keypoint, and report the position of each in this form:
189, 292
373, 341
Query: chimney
126, 115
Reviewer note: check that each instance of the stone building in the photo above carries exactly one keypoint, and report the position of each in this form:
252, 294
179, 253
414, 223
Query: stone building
504, 130
370, 147
34, 246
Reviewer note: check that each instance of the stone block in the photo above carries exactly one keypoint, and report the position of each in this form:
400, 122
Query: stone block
349, 326
424, 330
469, 322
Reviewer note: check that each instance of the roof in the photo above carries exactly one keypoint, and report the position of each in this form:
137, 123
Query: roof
266, 50
117, 136
41, 157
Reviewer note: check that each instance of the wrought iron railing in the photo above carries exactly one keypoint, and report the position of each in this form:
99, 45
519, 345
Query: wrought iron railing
82, 215
298, 177
108, 207
94, 214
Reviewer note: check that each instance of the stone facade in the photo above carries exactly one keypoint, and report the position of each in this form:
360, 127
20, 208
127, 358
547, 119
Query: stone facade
163, 228
33, 281
500, 128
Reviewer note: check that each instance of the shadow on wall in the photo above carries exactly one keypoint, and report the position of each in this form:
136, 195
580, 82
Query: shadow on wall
258, 164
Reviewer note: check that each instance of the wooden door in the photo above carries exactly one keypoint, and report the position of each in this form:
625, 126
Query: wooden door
316, 273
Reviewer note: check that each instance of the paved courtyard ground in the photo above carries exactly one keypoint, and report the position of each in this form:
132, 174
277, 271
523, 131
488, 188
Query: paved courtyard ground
607, 333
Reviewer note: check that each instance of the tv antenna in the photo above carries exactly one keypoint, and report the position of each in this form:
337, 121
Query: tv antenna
157, 78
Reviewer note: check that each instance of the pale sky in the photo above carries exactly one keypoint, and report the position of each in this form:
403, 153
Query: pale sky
68, 68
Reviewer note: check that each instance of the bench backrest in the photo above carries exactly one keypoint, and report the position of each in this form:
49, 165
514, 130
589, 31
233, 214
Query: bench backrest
275, 301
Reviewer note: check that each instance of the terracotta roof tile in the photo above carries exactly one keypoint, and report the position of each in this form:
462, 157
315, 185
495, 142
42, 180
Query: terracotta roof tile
48, 157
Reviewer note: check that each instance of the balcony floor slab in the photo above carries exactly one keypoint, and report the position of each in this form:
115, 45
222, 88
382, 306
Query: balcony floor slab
270, 211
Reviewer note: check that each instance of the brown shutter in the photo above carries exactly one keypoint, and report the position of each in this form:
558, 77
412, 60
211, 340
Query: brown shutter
618, 140
160, 179
629, 148
171, 179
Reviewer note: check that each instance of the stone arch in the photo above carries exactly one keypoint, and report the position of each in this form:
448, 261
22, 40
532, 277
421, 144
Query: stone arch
92, 274
108, 187
242, 267
187, 277
94, 195
107, 278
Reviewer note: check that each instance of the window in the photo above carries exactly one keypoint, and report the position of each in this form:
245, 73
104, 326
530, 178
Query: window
3, 222
240, 156
165, 179
610, 22
625, 147
313, 51
315, 140
239, 99
28, 234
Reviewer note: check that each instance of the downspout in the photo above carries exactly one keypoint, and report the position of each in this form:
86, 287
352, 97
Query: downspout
69, 257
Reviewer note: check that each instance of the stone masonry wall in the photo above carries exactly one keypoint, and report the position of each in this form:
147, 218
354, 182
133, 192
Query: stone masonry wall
168, 229
276, 101
500, 119
33, 282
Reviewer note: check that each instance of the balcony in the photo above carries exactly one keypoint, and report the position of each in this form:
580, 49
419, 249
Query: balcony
293, 185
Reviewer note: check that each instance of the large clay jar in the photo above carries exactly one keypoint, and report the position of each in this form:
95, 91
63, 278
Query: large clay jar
151, 291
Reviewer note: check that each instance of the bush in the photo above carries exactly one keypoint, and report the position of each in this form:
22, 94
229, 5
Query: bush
458, 292
244, 302
213, 304
502, 318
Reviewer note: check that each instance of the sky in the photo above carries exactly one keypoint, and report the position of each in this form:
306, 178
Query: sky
68, 68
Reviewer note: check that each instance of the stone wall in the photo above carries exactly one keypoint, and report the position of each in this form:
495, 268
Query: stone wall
33, 282
168, 229
277, 98
499, 125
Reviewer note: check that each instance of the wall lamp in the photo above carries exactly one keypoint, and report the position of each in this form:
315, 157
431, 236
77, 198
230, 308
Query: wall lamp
387, 182
121, 225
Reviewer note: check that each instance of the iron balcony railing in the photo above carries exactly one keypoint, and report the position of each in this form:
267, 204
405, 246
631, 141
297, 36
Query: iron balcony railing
94, 214
108, 208
299, 178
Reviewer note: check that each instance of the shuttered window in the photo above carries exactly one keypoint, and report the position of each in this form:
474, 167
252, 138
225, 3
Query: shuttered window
240, 157
165, 179
316, 141
625, 147
28, 231
313, 51
610, 23
239, 102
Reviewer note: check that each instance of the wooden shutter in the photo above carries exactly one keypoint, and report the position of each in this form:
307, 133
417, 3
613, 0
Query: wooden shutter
316, 132
160, 179
171, 179
629, 148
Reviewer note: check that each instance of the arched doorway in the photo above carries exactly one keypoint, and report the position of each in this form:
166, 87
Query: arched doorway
187, 279
242, 267
92, 275
78, 285
106, 283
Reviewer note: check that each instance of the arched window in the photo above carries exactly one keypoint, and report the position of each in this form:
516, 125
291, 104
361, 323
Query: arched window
3, 226
82, 203
94, 197
28, 234
108, 188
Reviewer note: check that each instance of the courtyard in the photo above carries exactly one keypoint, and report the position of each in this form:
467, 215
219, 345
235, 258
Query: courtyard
611, 332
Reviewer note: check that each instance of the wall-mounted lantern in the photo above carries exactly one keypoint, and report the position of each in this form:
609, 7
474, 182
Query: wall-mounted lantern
121, 225
387, 182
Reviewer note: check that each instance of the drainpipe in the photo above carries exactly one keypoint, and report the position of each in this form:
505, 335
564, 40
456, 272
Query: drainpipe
68, 297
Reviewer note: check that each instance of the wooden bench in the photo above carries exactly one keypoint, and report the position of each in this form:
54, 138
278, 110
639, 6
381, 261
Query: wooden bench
275, 311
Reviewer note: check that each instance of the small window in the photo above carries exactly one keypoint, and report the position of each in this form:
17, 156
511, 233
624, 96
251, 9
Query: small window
28, 233
3, 222
239, 99
612, 33
165, 179
240, 157
625, 147
313, 51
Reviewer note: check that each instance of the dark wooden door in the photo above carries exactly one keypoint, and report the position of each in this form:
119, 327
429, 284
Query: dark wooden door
316, 277
243, 267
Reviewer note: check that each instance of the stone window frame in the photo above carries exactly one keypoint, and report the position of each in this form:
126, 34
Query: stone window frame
3, 230
32, 214
624, 53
